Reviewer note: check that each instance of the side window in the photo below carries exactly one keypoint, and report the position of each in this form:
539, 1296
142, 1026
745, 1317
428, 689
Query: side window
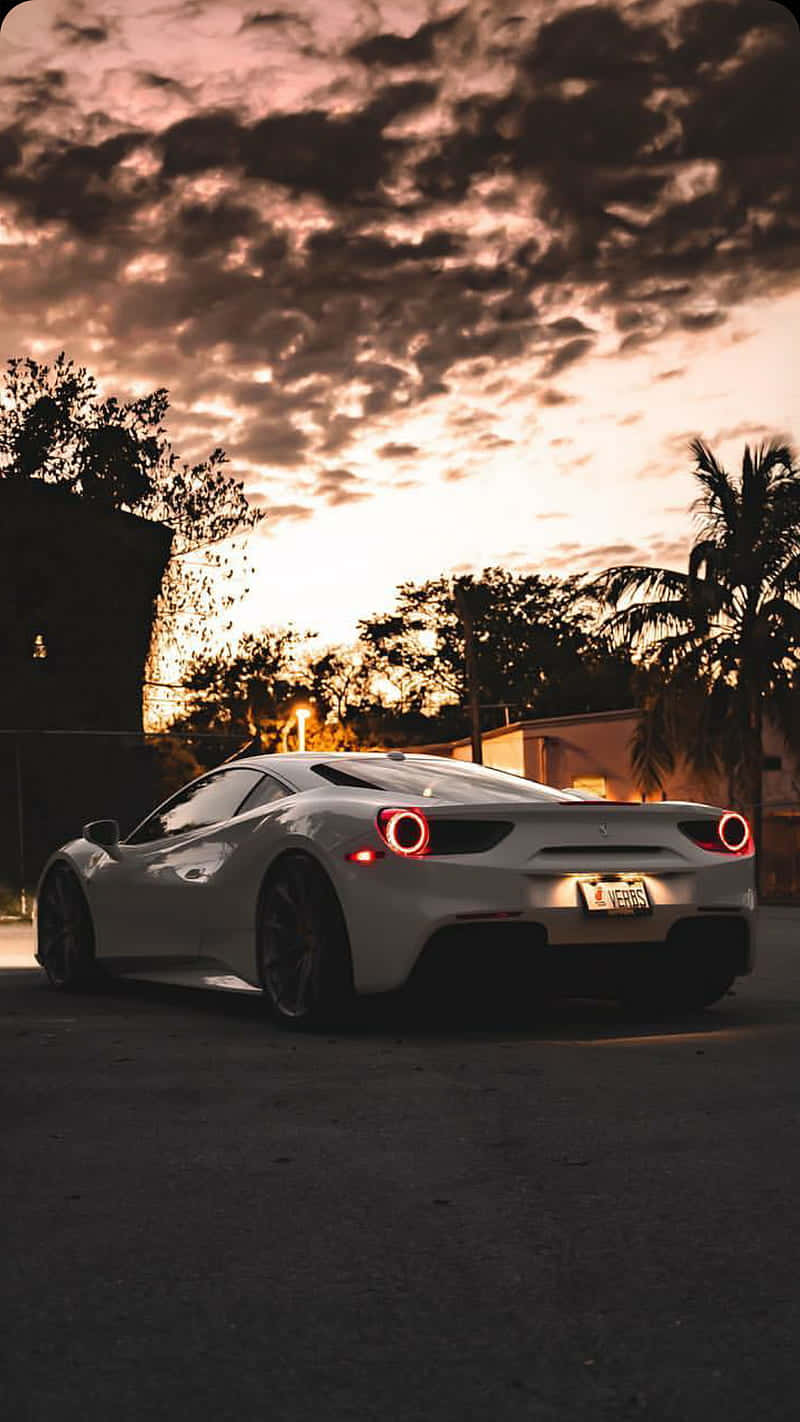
264, 793
205, 802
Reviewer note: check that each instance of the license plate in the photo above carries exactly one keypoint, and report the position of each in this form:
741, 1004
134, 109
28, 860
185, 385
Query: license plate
627, 896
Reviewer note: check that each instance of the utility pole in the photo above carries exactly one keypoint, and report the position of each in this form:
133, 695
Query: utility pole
472, 672
23, 907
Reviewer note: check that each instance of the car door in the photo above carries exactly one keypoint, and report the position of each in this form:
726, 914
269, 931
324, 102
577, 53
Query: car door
147, 899
239, 850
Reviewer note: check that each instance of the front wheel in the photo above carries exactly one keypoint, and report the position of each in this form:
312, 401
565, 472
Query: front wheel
304, 959
65, 937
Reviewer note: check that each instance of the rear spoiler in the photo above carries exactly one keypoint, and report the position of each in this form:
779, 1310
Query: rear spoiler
532, 809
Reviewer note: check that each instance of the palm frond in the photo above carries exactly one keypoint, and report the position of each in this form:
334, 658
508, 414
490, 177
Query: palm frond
786, 615
719, 501
610, 586
786, 578
705, 551
681, 653
643, 621
649, 748
775, 454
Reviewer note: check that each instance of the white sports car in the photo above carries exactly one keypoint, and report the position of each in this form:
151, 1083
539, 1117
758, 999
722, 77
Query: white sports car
318, 877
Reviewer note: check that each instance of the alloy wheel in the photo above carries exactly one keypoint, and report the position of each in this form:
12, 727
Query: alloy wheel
292, 938
64, 930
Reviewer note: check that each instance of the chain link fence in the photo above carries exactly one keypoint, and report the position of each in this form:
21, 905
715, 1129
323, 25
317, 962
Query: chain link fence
52, 782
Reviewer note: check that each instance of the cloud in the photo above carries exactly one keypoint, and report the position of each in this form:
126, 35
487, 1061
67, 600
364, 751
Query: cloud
701, 320
608, 554
163, 82
269, 18
594, 42
372, 252
594, 558
568, 326
744, 430
489, 440
398, 451
552, 396
391, 50
270, 444
339, 486
193, 145
74, 184
81, 34
277, 514
344, 160
680, 444
203, 228
566, 355
398, 99
383, 223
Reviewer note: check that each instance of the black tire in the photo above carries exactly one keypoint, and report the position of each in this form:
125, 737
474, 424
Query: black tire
65, 935
303, 950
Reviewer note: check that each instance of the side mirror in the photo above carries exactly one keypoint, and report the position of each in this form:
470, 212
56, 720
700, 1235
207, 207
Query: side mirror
102, 832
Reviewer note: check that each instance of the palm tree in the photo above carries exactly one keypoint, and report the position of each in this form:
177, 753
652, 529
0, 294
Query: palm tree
721, 642
651, 745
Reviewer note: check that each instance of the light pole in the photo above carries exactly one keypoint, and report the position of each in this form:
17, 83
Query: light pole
302, 713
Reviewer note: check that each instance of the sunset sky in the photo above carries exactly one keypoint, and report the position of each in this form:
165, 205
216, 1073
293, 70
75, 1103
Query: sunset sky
453, 284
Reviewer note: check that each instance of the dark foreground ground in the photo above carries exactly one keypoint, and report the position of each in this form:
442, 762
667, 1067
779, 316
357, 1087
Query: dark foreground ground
574, 1219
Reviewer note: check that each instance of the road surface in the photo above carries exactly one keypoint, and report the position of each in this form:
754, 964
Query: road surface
571, 1219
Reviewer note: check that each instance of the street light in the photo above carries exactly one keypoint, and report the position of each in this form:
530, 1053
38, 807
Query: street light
302, 713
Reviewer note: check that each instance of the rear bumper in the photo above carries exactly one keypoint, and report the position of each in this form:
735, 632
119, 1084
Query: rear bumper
394, 909
502, 955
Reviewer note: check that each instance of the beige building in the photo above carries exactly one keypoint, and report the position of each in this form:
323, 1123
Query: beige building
592, 752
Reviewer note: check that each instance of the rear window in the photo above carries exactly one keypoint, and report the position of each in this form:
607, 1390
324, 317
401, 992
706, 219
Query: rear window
446, 779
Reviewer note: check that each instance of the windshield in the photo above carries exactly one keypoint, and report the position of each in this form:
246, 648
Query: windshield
442, 779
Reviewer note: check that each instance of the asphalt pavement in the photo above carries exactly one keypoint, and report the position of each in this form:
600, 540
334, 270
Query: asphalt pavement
570, 1217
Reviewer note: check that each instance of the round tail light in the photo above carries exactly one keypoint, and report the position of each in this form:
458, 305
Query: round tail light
405, 831
733, 830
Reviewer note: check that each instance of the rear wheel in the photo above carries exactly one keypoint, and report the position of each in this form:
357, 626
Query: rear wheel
304, 959
65, 937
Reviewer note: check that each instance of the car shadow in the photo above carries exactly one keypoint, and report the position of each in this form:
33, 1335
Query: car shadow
557, 1018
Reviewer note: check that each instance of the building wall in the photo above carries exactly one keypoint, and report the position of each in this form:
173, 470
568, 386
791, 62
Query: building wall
82, 581
595, 748
506, 752
561, 751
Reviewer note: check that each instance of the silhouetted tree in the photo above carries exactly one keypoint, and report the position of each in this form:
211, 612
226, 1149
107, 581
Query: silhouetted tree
341, 684
250, 691
536, 646
247, 690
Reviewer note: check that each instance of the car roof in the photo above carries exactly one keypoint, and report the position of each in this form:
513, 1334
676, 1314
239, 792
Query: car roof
294, 767
276, 758
284, 762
